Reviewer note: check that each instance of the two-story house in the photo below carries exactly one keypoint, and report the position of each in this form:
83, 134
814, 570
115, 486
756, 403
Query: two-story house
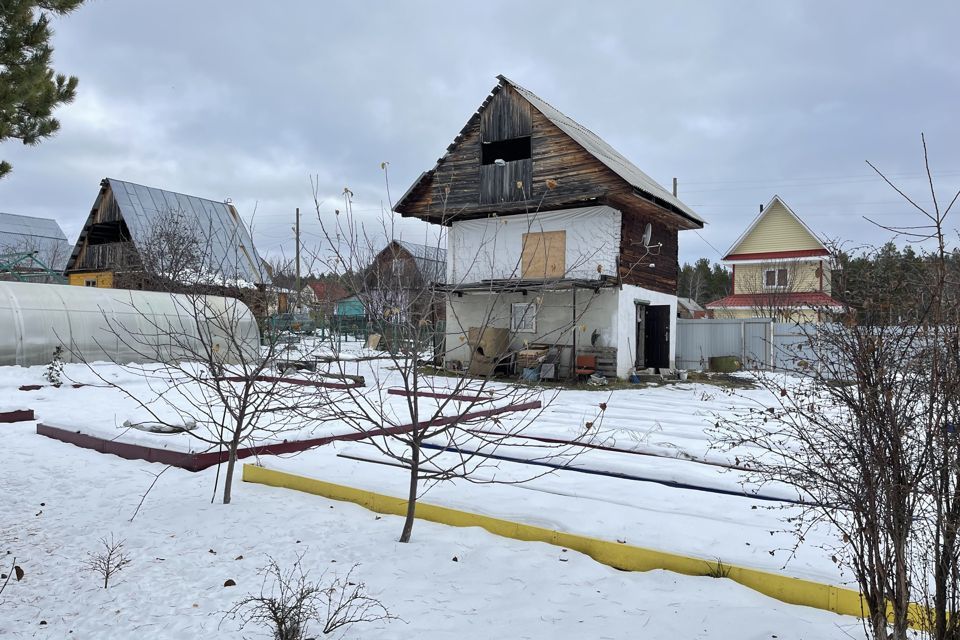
781, 270
401, 278
553, 236
139, 237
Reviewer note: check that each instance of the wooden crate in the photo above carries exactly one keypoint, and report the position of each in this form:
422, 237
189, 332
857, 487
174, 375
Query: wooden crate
606, 359
529, 357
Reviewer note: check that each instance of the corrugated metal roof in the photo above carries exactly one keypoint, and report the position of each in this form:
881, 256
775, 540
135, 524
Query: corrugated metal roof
431, 261
26, 233
232, 253
690, 304
599, 148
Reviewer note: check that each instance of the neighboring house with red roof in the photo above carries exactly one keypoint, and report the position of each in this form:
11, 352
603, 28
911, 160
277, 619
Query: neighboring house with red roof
781, 270
322, 296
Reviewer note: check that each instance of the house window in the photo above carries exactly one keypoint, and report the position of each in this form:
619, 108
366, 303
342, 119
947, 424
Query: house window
523, 317
775, 278
506, 150
90, 282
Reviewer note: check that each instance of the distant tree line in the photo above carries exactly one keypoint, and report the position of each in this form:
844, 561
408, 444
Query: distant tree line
704, 282
884, 281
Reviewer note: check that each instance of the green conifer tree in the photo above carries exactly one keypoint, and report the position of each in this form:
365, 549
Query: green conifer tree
29, 89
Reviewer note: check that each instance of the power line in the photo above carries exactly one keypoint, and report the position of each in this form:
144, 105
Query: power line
860, 176
697, 231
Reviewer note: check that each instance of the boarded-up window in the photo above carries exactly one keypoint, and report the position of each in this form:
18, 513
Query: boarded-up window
544, 254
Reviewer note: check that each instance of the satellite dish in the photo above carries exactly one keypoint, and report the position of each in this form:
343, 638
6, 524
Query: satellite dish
647, 231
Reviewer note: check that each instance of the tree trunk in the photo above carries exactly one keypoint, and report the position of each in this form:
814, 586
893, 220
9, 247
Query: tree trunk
231, 463
412, 493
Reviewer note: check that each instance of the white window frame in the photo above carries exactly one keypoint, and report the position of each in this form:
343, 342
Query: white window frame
776, 278
526, 320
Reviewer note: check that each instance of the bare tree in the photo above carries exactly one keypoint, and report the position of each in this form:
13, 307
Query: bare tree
110, 561
202, 360
439, 415
865, 431
772, 287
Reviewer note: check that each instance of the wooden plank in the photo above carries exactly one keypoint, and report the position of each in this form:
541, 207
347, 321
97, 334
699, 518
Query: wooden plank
200, 461
19, 415
441, 396
544, 254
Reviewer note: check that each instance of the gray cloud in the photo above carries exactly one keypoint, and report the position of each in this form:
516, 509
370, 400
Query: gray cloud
739, 100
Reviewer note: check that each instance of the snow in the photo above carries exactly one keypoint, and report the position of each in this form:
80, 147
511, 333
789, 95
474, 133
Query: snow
173, 588
497, 586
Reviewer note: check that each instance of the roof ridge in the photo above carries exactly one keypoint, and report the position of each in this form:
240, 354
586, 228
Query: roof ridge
179, 193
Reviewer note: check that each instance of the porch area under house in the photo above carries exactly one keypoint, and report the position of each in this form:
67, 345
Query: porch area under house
559, 325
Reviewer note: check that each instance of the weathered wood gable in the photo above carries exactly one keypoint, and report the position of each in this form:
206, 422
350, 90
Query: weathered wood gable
461, 186
512, 158
104, 243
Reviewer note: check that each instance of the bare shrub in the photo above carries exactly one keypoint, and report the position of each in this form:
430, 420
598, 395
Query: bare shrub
292, 604
110, 560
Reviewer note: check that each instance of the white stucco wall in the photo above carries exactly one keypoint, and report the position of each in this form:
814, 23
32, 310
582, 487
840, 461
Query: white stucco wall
554, 318
490, 248
611, 311
627, 322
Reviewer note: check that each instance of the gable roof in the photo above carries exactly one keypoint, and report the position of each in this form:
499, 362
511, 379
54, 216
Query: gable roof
587, 139
327, 291
431, 261
690, 304
776, 204
232, 254
26, 233
602, 151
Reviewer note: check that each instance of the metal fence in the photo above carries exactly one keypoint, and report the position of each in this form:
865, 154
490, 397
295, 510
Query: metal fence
759, 343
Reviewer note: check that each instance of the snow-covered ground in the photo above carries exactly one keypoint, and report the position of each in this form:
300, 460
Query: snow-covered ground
184, 548
58, 500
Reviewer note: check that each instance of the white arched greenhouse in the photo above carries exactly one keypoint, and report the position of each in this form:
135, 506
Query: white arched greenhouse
121, 326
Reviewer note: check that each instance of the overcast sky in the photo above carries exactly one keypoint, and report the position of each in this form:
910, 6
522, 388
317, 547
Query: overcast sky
738, 100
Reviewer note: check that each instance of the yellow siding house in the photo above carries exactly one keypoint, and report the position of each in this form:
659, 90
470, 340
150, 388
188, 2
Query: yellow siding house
781, 270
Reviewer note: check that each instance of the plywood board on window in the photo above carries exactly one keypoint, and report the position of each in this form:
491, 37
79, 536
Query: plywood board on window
544, 254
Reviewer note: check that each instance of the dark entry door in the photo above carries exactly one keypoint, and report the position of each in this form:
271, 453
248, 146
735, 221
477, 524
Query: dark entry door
656, 338
640, 337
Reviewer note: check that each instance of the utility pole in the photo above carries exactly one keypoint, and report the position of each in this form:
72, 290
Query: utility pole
297, 232
674, 187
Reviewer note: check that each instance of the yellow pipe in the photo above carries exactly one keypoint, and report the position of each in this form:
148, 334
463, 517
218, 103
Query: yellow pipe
621, 556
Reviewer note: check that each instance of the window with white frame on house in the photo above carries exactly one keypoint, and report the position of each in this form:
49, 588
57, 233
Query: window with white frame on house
775, 278
523, 317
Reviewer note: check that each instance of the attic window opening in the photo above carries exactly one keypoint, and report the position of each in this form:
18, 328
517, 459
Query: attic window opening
506, 150
108, 232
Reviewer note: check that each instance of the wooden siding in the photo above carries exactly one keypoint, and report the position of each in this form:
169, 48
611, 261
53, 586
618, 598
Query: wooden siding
506, 116
635, 261
104, 256
104, 279
777, 230
112, 255
508, 183
576, 177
